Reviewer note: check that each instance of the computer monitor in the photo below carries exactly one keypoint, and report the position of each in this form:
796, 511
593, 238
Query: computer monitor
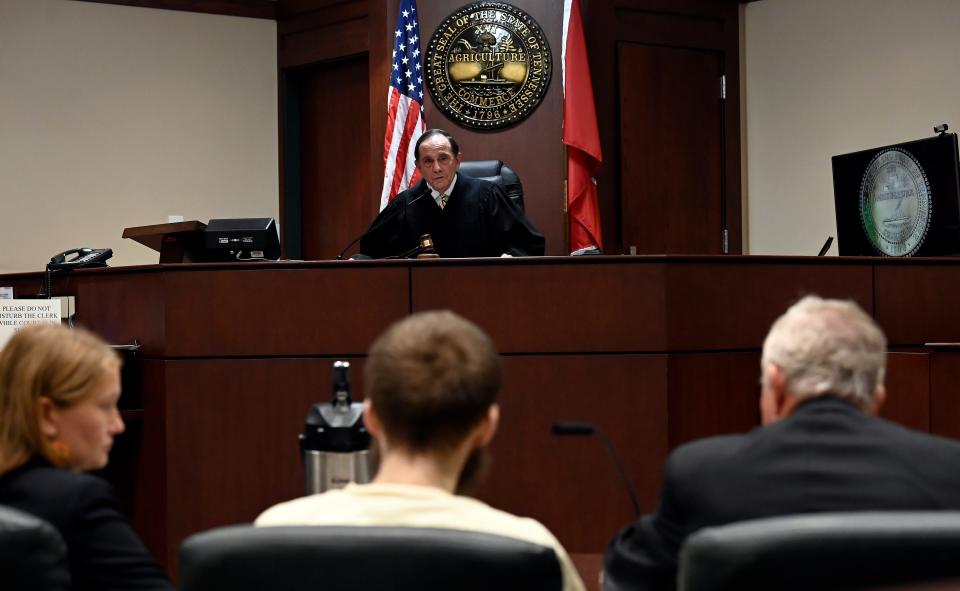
241, 239
899, 200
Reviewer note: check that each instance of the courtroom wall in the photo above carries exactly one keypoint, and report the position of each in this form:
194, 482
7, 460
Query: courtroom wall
824, 78
114, 116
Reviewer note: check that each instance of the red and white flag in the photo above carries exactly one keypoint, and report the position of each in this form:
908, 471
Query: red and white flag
404, 106
581, 135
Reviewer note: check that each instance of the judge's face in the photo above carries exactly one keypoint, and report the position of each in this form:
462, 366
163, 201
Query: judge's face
437, 163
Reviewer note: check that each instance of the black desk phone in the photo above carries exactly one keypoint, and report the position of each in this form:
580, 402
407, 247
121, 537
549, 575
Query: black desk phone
81, 257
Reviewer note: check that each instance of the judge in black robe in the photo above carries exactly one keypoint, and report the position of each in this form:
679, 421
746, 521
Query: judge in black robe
479, 220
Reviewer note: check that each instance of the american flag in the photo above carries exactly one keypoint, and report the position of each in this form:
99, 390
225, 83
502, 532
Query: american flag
404, 106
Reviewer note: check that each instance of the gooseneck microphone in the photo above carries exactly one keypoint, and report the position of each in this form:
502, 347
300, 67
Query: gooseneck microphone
352, 242
584, 429
396, 213
417, 198
825, 247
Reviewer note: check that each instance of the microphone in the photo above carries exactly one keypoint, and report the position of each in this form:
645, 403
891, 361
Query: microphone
381, 223
417, 198
584, 429
352, 242
825, 247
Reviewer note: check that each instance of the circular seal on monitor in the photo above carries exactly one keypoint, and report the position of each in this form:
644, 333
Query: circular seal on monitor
488, 65
895, 203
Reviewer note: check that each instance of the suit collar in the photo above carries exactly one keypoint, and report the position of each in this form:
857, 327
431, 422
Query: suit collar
824, 403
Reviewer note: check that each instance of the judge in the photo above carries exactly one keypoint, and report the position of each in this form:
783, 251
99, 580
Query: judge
465, 217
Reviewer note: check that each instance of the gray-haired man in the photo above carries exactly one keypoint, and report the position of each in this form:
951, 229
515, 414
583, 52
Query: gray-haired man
821, 448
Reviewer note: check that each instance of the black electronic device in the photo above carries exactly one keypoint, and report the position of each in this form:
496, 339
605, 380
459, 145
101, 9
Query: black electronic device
241, 239
69, 260
80, 257
335, 444
899, 200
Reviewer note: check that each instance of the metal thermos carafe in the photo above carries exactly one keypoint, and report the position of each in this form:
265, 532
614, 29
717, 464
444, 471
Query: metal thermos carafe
335, 444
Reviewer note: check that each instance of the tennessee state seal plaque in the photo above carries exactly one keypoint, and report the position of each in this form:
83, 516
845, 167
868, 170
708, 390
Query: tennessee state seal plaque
895, 204
488, 65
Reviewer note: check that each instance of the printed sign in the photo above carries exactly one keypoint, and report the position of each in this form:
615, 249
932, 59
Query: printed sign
15, 314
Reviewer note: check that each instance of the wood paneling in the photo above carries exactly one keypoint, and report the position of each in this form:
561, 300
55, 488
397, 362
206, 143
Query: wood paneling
103, 295
543, 307
730, 302
945, 392
589, 566
138, 467
568, 483
329, 158
908, 390
150, 492
281, 312
184, 311
322, 34
670, 24
671, 160
712, 394
916, 303
334, 158
647, 304
231, 437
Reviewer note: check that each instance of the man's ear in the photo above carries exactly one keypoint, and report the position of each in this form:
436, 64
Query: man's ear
371, 421
47, 416
488, 426
773, 394
879, 397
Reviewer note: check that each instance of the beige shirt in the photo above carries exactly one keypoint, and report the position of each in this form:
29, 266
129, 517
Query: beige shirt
415, 506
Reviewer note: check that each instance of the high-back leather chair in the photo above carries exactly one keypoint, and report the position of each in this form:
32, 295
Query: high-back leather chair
33, 555
328, 558
496, 171
823, 551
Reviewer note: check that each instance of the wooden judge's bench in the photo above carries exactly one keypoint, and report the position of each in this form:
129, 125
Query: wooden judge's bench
655, 351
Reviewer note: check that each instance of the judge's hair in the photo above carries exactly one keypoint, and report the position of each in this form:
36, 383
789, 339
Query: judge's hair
827, 347
63, 364
454, 146
431, 377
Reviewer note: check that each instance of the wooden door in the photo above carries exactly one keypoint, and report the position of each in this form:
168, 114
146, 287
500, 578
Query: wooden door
336, 200
671, 150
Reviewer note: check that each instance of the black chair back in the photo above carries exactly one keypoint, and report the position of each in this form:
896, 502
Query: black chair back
33, 555
334, 558
496, 171
824, 551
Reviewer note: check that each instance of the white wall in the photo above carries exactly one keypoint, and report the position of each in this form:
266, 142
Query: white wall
115, 116
826, 77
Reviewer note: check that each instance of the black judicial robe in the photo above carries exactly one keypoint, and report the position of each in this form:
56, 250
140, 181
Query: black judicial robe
478, 221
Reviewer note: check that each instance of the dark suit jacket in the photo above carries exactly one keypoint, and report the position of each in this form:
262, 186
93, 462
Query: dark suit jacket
478, 221
825, 456
104, 551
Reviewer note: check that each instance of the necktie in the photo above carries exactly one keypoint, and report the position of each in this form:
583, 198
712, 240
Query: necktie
443, 200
